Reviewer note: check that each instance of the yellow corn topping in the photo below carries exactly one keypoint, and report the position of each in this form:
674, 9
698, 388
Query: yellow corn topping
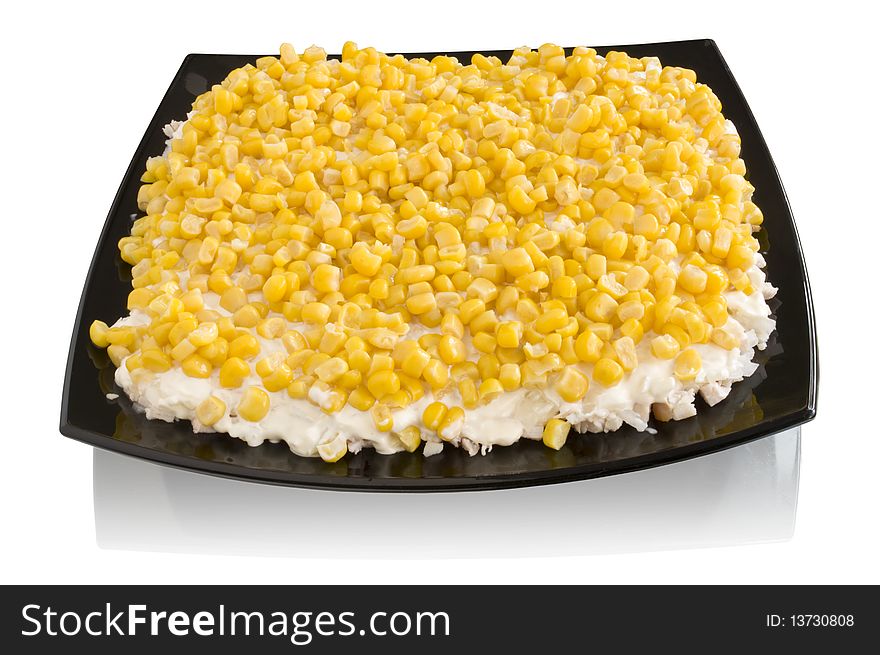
540, 216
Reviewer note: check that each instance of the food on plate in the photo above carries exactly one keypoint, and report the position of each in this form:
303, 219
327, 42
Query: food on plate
398, 253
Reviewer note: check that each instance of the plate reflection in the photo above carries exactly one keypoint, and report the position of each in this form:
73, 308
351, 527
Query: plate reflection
747, 494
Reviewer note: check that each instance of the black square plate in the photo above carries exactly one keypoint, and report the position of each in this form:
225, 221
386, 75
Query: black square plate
781, 394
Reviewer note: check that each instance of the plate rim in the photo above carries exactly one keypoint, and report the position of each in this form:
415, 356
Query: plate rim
798, 417
439, 483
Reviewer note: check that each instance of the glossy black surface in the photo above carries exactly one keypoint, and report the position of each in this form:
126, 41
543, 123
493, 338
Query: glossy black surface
781, 394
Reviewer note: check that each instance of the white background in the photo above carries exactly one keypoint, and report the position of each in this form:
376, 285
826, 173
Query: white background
80, 83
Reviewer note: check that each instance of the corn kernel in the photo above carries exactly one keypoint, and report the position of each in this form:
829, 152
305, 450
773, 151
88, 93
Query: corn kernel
433, 415
509, 334
450, 426
520, 201
421, 303
360, 398
564, 287
120, 336
724, 339
211, 410
326, 278
233, 372
601, 307
517, 262
510, 376
245, 347
98, 334
254, 404
687, 364
382, 417
383, 382
334, 450
607, 372
364, 261
550, 320
556, 433
316, 313
692, 279
117, 354
275, 288
415, 362
625, 351
664, 346
204, 334
332, 369
572, 385
196, 366
451, 349
410, 437
588, 347
155, 360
